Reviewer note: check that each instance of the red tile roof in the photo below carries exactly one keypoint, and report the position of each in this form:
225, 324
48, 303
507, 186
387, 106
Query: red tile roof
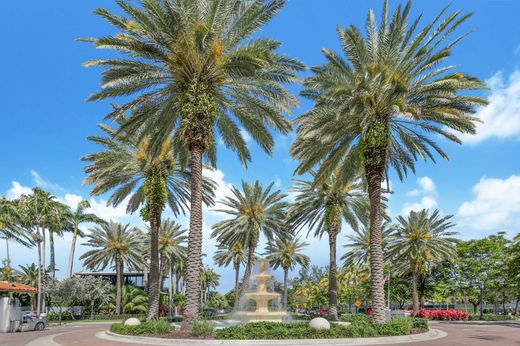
16, 287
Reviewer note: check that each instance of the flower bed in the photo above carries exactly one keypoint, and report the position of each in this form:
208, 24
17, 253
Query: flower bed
444, 315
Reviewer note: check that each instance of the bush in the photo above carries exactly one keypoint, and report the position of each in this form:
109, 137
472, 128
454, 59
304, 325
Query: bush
202, 328
356, 318
396, 326
157, 327
443, 315
419, 323
491, 317
109, 317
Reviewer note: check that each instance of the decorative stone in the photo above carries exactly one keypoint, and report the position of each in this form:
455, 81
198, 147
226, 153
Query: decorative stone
132, 322
319, 323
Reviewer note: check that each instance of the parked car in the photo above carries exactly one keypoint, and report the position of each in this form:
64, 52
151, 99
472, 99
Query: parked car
323, 312
213, 312
34, 322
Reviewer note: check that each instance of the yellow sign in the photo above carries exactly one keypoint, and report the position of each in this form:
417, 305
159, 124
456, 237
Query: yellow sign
358, 303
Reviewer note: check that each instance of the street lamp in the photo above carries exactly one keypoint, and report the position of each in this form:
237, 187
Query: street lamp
481, 317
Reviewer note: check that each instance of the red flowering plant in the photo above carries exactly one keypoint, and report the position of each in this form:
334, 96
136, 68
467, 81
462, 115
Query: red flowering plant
443, 315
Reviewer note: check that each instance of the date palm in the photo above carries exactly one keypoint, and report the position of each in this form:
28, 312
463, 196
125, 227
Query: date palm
254, 211
114, 245
208, 279
128, 167
195, 68
382, 106
286, 253
172, 241
322, 208
9, 227
422, 240
75, 219
233, 253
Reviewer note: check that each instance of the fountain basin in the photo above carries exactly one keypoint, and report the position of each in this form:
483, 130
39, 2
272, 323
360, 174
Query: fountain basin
254, 316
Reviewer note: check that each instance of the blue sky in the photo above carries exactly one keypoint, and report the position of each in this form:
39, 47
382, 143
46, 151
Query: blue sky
45, 120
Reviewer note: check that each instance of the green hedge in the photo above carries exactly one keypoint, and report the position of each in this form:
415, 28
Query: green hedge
492, 317
360, 328
158, 327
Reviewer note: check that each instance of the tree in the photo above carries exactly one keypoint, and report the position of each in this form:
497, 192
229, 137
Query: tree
379, 107
9, 229
422, 240
76, 218
92, 290
114, 245
28, 275
150, 181
190, 67
172, 240
286, 253
209, 279
58, 223
322, 208
236, 254
254, 211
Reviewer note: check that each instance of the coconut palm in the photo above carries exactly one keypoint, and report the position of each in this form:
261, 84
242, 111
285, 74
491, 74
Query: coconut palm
286, 253
421, 240
9, 228
145, 180
254, 211
322, 208
209, 279
194, 68
28, 275
58, 223
75, 219
236, 254
381, 106
114, 245
172, 241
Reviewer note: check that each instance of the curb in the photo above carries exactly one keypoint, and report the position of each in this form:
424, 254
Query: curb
432, 334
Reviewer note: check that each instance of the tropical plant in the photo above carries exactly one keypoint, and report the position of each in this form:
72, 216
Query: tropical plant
76, 218
236, 254
142, 179
208, 279
190, 67
58, 223
254, 211
9, 229
114, 245
377, 108
422, 240
172, 240
322, 208
133, 300
286, 253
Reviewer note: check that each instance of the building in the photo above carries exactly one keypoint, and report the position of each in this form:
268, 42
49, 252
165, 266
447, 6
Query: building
136, 279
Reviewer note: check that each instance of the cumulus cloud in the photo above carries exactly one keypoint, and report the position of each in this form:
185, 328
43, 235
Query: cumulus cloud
101, 209
44, 183
427, 192
17, 190
245, 135
495, 207
501, 117
222, 191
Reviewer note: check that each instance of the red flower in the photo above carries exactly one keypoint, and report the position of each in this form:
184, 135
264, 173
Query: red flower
443, 315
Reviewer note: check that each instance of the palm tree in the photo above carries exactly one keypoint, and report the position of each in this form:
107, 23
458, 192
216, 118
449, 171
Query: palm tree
28, 275
379, 108
9, 229
114, 245
254, 211
322, 208
208, 279
58, 223
422, 239
76, 218
286, 253
191, 67
128, 167
235, 253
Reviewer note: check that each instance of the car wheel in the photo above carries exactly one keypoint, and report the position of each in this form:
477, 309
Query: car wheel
39, 326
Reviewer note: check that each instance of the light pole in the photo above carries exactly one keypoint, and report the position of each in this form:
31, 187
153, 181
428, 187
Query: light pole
481, 317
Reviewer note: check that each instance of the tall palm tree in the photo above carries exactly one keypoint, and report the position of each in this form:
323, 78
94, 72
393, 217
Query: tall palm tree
254, 211
381, 106
76, 218
28, 275
286, 253
322, 208
114, 245
208, 279
195, 68
236, 254
9, 228
421, 240
58, 223
149, 181
172, 244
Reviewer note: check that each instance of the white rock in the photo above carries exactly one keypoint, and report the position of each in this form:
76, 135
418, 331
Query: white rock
319, 323
132, 322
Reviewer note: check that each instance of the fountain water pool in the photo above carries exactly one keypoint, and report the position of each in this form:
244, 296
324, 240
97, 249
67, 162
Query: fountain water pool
262, 298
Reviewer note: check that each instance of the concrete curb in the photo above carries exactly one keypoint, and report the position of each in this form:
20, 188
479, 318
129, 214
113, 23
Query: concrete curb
432, 334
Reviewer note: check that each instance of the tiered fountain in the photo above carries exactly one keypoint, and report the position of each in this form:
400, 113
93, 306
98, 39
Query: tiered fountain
262, 298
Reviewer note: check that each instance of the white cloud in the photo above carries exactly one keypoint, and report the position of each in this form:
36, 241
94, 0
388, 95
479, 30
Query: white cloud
70, 200
426, 184
501, 117
105, 212
17, 190
223, 189
245, 135
44, 183
425, 189
496, 206
427, 202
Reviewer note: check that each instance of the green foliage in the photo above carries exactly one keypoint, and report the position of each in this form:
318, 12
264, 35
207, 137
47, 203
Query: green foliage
492, 317
202, 328
396, 326
356, 318
154, 327
419, 323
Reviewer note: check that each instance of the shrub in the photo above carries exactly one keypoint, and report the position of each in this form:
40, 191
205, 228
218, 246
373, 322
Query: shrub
443, 315
202, 328
157, 327
396, 326
491, 317
419, 323
356, 318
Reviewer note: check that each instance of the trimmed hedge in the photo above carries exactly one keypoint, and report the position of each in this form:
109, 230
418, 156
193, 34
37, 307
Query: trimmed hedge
492, 317
158, 327
444, 315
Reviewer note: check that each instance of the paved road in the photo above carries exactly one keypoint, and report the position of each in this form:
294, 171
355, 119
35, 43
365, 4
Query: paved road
503, 334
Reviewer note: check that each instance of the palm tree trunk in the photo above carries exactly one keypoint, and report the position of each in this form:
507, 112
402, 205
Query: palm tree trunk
415, 299
249, 266
72, 251
52, 264
333, 279
170, 290
237, 283
39, 300
374, 179
422, 291
7, 251
194, 240
119, 284
285, 284
155, 275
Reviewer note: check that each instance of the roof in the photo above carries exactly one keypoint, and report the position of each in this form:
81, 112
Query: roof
16, 287
110, 273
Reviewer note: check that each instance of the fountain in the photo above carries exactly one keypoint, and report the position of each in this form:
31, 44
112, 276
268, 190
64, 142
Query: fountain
262, 298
